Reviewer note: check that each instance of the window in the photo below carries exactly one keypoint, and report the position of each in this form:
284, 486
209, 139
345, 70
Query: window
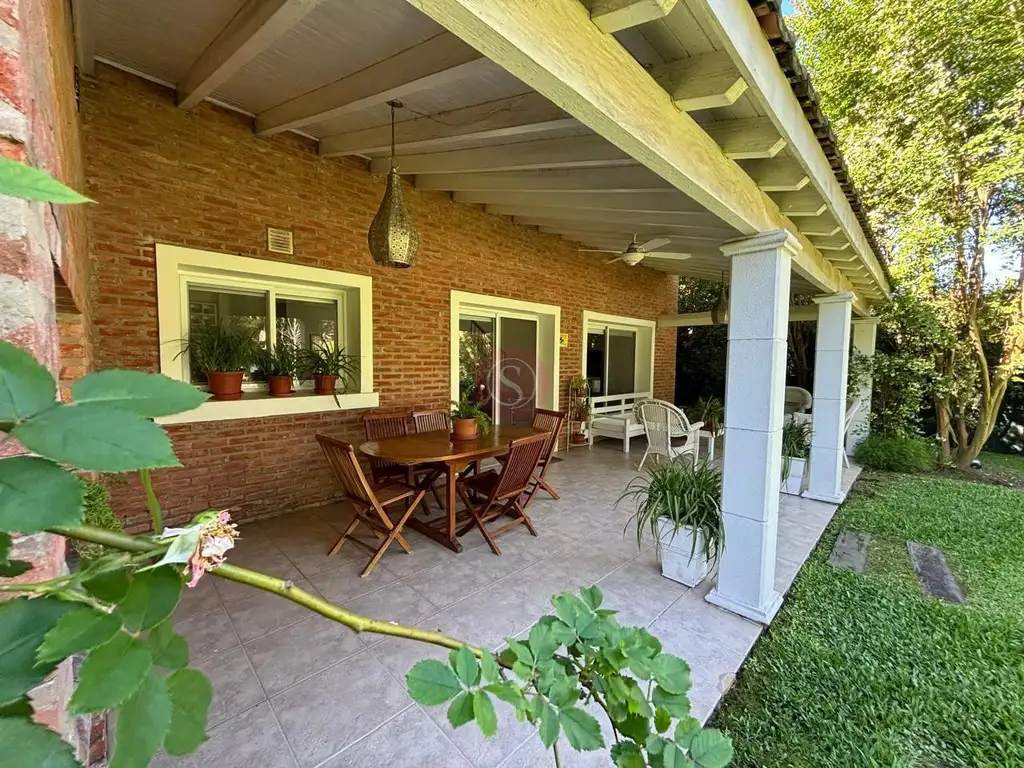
278, 302
618, 354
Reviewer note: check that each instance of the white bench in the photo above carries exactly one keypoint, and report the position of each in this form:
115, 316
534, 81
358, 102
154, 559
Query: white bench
612, 416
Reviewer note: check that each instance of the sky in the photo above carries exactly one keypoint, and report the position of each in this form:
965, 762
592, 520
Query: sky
787, 7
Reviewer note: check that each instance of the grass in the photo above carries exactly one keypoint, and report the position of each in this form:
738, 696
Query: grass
1009, 463
863, 670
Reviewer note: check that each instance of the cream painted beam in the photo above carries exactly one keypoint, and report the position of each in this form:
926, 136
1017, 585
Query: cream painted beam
798, 313
824, 225
737, 28
83, 20
569, 152
777, 174
615, 15
512, 117
748, 139
806, 202
648, 202
831, 244
252, 30
634, 178
701, 82
554, 48
439, 60
630, 223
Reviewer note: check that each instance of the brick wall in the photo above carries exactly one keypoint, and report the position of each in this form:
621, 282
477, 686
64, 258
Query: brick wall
202, 180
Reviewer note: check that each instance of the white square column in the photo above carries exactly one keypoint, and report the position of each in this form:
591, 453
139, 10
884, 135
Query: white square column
828, 413
864, 332
754, 394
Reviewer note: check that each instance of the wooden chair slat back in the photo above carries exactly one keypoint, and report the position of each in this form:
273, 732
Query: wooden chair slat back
378, 427
432, 421
550, 422
523, 456
341, 457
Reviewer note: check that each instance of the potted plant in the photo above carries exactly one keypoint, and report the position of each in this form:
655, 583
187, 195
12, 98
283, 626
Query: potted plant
680, 504
579, 408
711, 411
796, 446
279, 366
223, 353
468, 419
325, 363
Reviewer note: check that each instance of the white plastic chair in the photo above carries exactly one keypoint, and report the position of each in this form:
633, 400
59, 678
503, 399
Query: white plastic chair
798, 400
669, 432
851, 412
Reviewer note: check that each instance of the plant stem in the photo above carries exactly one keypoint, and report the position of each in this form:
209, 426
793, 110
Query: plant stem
151, 501
558, 758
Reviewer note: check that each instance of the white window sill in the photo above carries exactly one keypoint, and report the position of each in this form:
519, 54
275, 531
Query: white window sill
255, 405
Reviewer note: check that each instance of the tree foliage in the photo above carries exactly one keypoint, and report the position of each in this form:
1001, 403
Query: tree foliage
927, 101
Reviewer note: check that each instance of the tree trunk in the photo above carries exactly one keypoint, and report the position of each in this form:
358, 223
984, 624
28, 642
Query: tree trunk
942, 424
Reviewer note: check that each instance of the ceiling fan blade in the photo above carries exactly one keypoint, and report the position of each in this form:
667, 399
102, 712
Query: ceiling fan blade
597, 250
654, 244
614, 260
668, 256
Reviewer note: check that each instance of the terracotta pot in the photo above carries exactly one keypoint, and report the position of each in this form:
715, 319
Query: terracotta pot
464, 429
225, 385
578, 438
324, 383
280, 386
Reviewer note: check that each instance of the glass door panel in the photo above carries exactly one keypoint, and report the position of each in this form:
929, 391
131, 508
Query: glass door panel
517, 370
621, 361
476, 360
595, 362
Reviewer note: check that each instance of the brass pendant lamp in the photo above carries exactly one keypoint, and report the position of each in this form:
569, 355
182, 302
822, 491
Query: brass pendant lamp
720, 312
392, 238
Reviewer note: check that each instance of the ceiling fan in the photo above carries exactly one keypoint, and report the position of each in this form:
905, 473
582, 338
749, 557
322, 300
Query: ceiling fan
636, 252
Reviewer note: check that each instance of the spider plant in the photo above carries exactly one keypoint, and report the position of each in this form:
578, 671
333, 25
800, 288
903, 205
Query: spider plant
711, 411
282, 360
466, 408
219, 347
325, 358
796, 444
687, 495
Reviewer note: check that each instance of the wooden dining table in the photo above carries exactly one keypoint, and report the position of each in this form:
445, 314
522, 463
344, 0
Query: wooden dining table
424, 448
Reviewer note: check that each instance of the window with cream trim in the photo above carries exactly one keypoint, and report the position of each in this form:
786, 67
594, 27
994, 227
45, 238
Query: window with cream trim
278, 301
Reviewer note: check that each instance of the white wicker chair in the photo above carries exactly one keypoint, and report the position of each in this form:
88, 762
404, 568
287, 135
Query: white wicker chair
851, 411
669, 432
798, 400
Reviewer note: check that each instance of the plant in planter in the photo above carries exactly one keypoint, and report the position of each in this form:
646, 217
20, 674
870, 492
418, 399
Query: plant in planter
579, 408
468, 419
223, 353
710, 410
680, 504
326, 363
280, 366
796, 446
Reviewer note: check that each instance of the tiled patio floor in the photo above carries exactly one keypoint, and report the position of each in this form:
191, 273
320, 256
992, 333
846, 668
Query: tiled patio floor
292, 689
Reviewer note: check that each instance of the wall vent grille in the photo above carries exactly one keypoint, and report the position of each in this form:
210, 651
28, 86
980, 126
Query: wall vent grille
280, 240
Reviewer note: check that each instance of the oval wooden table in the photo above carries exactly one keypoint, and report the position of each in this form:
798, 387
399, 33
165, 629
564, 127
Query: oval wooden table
456, 455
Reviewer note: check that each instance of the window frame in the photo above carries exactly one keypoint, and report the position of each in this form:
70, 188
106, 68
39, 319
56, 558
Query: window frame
178, 268
644, 330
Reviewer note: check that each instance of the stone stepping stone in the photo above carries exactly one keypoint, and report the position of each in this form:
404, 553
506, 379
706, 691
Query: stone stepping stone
933, 573
850, 551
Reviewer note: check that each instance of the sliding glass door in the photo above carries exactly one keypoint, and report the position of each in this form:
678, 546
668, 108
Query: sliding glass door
498, 355
611, 360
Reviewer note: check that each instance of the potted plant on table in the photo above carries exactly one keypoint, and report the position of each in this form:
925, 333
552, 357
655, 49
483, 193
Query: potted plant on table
223, 353
579, 408
711, 411
468, 419
680, 504
796, 446
326, 363
279, 365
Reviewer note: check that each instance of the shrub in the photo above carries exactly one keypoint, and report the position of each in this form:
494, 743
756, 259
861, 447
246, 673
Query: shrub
895, 454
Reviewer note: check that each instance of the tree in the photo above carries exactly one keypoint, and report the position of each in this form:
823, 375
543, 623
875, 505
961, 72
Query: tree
927, 101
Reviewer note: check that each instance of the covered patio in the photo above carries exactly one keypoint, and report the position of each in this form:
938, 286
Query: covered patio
293, 689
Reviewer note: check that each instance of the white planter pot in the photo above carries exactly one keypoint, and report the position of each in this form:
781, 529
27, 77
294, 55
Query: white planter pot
676, 563
794, 484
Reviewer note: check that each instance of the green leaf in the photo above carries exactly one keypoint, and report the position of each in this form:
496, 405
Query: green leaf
569, 608
542, 641
549, 726
687, 728
461, 710
677, 704
430, 682
28, 183
507, 692
26, 387
12, 568
662, 719
636, 727
522, 651
145, 394
36, 494
670, 672
78, 630
97, 436
24, 743
490, 668
711, 749
111, 587
181, 550
626, 754
483, 711
110, 674
23, 624
465, 665
673, 757
191, 694
17, 708
152, 597
142, 724
581, 729
592, 596
170, 650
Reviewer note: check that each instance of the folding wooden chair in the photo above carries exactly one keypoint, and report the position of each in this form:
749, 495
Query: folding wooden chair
369, 501
432, 421
502, 492
550, 422
377, 427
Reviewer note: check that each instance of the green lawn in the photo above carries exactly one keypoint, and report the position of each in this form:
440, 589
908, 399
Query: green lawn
1010, 463
862, 670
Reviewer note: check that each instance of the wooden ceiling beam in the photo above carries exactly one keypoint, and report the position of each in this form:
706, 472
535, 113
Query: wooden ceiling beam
704, 81
630, 222
824, 225
833, 245
634, 178
441, 59
805, 203
83, 21
256, 25
615, 15
514, 116
777, 174
669, 201
751, 138
570, 152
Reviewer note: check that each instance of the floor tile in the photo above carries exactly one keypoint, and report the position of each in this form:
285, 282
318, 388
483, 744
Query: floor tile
344, 583
264, 612
271, 562
449, 582
692, 613
398, 654
397, 602
208, 633
235, 686
199, 599
330, 710
411, 740
251, 739
480, 750
488, 617
289, 655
